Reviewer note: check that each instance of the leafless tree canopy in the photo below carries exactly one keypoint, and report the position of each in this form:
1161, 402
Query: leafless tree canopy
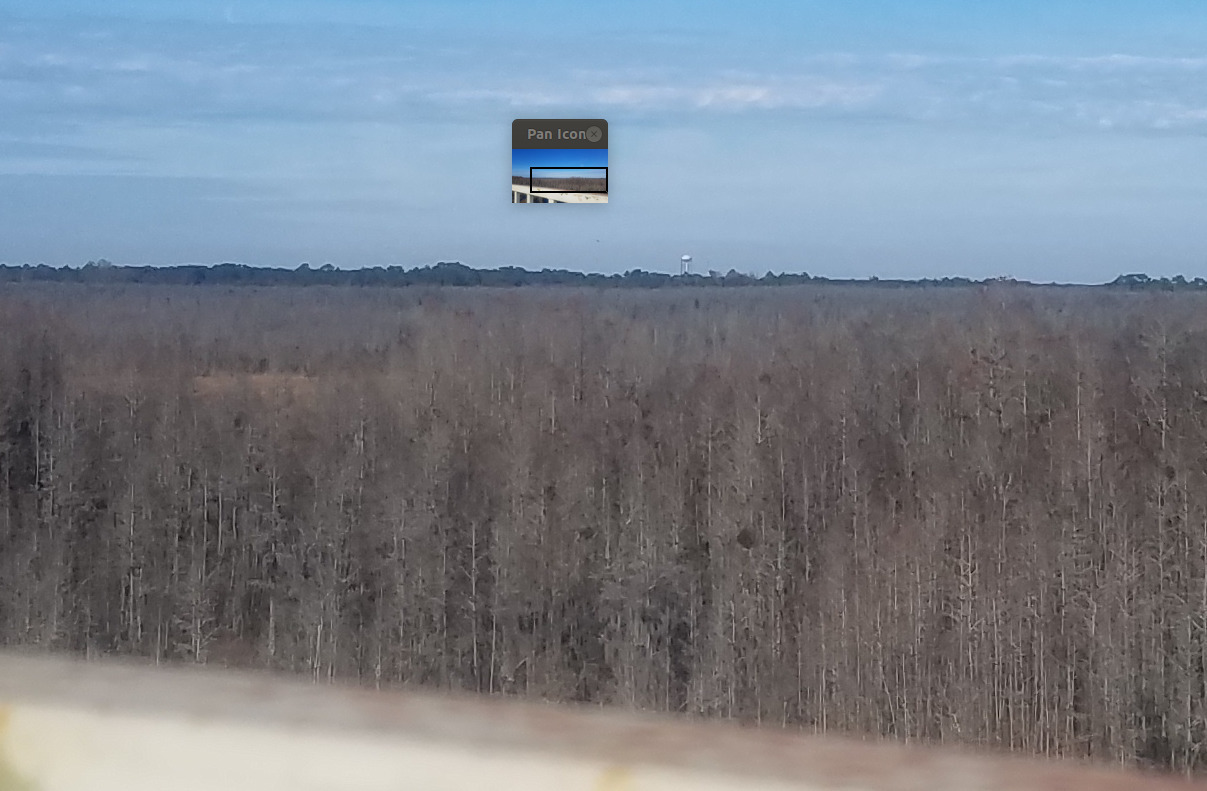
960, 515
570, 183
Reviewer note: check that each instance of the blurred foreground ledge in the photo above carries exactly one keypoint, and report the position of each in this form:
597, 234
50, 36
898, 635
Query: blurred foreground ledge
67, 724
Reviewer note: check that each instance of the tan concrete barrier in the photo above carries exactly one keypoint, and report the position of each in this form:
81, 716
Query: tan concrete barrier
70, 725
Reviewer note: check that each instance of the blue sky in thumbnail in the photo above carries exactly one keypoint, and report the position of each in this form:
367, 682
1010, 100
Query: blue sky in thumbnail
1042, 139
524, 158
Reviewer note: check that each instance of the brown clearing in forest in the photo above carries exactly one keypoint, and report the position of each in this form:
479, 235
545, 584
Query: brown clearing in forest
267, 386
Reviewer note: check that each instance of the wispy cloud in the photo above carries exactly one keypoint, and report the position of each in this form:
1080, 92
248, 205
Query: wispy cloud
298, 73
1114, 61
724, 93
149, 74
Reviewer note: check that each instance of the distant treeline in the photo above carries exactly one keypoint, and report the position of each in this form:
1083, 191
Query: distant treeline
575, 183
452, 273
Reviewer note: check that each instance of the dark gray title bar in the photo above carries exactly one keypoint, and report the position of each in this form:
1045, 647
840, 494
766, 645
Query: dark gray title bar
559, 133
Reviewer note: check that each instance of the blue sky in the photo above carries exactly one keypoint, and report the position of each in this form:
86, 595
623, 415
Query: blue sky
1049, 140
546, 158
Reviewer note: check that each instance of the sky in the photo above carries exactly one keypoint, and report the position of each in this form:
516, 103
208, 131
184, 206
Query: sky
1048, 140
548, 159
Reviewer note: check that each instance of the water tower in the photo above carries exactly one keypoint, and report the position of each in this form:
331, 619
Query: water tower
685, 265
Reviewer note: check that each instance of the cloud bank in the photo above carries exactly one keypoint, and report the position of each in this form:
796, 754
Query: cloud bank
161, 74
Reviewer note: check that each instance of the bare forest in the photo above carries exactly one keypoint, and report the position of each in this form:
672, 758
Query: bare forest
564, 184
972, 515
